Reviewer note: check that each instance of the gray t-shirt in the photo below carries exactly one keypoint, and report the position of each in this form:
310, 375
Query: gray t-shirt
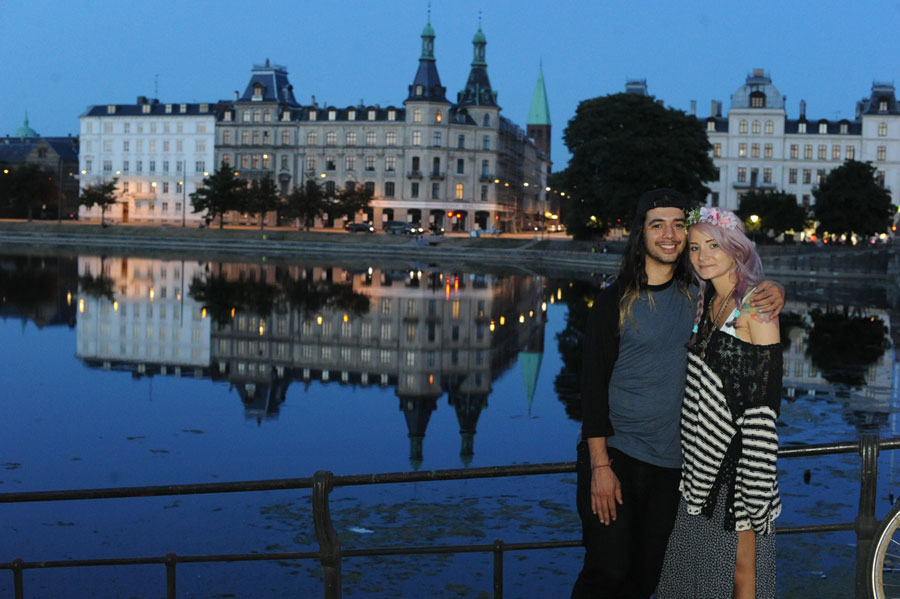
647, 383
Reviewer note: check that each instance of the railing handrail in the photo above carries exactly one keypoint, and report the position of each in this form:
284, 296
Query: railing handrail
330, 552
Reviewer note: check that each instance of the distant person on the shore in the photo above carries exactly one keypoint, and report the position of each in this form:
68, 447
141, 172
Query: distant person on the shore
633, 372
723, 542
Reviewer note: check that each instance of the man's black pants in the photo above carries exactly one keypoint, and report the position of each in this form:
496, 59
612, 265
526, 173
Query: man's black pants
623, 560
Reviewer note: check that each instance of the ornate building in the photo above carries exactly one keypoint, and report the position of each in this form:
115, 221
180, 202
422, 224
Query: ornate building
757, 146
459, 165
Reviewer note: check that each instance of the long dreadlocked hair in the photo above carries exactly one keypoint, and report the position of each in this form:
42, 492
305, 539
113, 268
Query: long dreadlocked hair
633, 276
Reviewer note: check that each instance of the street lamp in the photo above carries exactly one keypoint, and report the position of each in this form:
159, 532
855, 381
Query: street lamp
183, 203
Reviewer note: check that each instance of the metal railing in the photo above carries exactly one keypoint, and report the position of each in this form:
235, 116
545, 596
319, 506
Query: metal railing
331, 554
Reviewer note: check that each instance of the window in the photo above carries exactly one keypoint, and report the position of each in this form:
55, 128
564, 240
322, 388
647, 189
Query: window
882, 106
107, 166
460, 166
718, 175
742, 150
807, 176
414, 190
486, 121
371, 115
459, 191
754, 127
417, 115
370, 187
437, 139
313, 115
165, 188
139, 145
329, 163
742, 174
844, 128
370, 163
484, 193
125, 190
770, 127
329, 187
486, 142
390, 163
178, 164
392, 115
126, 145
767, 175
807, 152
415, 164
350, 163
166, 164
284, 162
835, 152
245, 161
254, 161
138, 166
438, 116
795, 151
256, 138
823, 152
285, 138
311, 163
792, 176
351, 115
245, 138
717, 150
126, 128
754, 150
370, 138
390, 138
485, 168
417, 138
124, 166
331, 138
436, 166
757, 100
882, 129
332, 115
461, 141
710, 125
389, 189
820, 174
823, 128
742, 127
768, 150
351, 138
267, 116
200, 146
266, 161
312, 138
801, 127
879, 178
850, 152
882, 153
435, 191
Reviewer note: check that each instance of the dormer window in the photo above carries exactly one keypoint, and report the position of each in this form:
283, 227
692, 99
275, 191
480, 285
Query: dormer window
844, 128
312, 115
351, 115
204, 108
823, 128
882, 105
371, 115
168, 109
183, 108
227, 116
257, 91
711, 125
801, 127
332, 115
392, 115
757, 100
111, 109
420, 90
145, 109
286, 115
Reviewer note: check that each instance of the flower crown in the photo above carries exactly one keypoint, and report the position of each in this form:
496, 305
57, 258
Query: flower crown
713, 216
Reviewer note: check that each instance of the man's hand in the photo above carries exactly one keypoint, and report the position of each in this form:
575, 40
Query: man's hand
768, 299
606, 492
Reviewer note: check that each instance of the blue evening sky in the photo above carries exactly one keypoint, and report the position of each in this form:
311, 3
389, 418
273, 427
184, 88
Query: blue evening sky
58, 57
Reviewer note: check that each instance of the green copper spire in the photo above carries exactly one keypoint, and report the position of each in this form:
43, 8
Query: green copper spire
539, 113
25, 130
428, 40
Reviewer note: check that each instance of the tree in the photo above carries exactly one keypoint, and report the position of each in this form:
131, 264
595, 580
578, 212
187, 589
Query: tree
350, 200
261, 197
101, 194
778, 211
30, 186
219, 193
623, 145
306, 203
849, 200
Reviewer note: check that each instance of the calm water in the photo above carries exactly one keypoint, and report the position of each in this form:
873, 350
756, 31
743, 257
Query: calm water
132, 371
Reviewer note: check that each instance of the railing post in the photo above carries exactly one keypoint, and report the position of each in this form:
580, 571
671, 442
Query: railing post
865, 517
18, 583
329, 543
170, 575
498, 569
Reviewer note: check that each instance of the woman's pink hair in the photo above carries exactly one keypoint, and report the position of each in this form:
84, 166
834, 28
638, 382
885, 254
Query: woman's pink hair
734, 242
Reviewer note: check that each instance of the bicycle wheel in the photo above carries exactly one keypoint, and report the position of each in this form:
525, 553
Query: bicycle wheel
885, 560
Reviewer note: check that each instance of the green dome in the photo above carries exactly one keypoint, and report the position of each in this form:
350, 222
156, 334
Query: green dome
479, 37
428, 31
25, 130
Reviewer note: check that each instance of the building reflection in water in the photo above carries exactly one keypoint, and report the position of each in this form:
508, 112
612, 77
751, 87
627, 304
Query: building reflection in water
424, 332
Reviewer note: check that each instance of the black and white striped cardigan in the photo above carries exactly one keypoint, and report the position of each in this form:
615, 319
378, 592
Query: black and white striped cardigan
728, 436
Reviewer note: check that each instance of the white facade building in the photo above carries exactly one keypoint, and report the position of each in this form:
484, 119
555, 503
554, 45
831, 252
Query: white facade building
757, 146
159, 153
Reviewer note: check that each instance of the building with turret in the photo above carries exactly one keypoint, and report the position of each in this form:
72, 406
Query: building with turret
757, 146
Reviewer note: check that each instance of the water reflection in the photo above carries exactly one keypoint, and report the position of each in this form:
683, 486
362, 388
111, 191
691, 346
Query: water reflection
424, 332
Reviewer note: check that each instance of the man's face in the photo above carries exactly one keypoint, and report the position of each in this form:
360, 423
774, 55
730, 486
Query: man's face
664, 234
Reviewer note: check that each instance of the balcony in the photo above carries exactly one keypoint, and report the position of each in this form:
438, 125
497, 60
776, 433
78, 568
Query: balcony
414, 174
437, 175
486, 177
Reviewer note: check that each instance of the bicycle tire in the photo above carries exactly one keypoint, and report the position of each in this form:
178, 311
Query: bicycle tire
885, 557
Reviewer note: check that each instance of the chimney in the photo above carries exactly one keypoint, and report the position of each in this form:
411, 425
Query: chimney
712, 108
802, 109
719, 108
693, 107
236, 96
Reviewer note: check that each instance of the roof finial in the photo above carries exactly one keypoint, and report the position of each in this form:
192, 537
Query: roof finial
479, 18
429, 13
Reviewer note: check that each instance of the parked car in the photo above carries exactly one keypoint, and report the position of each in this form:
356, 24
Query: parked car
395, 227
359, 227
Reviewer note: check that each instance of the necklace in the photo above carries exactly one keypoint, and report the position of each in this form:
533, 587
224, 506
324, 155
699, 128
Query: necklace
713, 323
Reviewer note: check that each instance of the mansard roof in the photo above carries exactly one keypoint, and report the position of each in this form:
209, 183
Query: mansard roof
792, 126
15, 150
426, 86
881, 93
269, 83
153, 107
758, 84
478, 90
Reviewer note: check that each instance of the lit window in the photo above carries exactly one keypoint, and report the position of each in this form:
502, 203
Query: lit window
390, 138
717, 150
882, 129
795, 151
882, 153
755, 127
417, 115
742, 150
742, 127
835, 152
768, 150
822, 152
312, 138
807, 152
351, 138
370, 138
850, 152
459, 191
331, 138
770, 127
417, 138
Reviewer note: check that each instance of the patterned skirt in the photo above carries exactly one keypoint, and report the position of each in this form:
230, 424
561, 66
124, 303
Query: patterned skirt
701, 556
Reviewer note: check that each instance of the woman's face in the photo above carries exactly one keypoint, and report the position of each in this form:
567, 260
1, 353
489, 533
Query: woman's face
707, 258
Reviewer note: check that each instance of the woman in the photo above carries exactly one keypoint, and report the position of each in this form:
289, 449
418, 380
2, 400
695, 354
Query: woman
723, 542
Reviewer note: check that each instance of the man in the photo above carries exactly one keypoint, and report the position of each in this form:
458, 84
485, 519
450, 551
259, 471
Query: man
634, 363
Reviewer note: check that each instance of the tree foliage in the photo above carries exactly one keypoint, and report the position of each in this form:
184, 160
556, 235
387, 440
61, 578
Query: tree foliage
222, 191
623, 145
778, 211
100, 194
28, 187
349, 201
844, 347
305, 203
261, 197
849, 200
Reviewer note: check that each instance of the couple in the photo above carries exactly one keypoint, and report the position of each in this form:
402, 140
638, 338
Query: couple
659, 455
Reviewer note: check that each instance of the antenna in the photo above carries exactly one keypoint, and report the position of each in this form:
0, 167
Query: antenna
156, 86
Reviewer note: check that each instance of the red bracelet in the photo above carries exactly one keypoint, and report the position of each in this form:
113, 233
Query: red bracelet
609, 463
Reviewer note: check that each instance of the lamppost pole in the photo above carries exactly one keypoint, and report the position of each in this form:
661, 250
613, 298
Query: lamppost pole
183, 203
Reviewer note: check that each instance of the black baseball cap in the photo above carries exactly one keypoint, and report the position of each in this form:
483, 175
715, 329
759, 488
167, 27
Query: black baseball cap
660, 198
